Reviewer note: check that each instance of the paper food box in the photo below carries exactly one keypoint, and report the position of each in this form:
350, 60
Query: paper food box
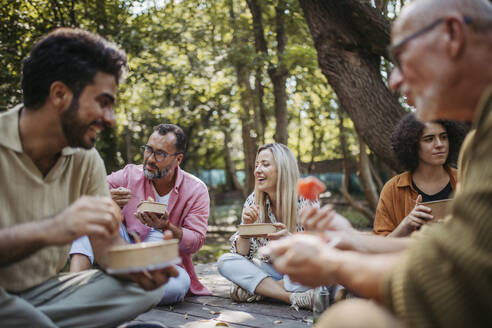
147, 206
256, 229
439, 208
143, 256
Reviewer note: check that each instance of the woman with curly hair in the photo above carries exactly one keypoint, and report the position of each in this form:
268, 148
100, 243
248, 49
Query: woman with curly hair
274, 200
428, 151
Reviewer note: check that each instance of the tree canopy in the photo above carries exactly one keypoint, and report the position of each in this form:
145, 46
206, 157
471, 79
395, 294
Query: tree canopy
233, 74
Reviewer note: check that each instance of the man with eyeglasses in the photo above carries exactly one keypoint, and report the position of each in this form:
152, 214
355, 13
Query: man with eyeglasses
442, 277
161, 179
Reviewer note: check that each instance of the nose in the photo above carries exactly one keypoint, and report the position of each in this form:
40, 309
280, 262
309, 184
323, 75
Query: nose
109, 116
257, 169
396, 79
439, 142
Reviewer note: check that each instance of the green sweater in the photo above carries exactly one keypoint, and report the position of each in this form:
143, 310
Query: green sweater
445, 279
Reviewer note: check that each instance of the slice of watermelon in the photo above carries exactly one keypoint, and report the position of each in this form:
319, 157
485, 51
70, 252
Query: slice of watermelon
310, 188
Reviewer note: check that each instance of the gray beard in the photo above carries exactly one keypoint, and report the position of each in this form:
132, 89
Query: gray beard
156, 175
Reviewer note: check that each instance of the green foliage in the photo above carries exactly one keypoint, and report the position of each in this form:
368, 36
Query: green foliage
182, 59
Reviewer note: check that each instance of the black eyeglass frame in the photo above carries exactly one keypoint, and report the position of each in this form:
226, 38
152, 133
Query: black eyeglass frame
158, 154
393, 48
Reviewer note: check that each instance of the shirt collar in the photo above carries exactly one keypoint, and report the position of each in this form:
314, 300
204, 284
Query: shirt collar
405, 179
11, 137
179, 178
9, 124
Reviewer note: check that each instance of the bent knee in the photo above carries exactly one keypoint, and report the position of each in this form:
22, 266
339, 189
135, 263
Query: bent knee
227, 261
176, 288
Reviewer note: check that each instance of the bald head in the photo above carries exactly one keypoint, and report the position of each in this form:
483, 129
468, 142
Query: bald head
421, 12
442, 48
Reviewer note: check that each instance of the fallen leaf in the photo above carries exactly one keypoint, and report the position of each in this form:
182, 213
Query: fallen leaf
307, 320
277, 322
186, 316
222, 324
214, 312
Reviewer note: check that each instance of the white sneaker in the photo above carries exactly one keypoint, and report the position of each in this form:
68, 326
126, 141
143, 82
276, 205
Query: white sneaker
302, 300
239, 294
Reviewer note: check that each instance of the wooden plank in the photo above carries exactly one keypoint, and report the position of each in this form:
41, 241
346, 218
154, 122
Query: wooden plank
174, 320
208, 311
242, 317
279, 310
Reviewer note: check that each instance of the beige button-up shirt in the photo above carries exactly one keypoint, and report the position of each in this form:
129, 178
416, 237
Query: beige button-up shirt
26, 195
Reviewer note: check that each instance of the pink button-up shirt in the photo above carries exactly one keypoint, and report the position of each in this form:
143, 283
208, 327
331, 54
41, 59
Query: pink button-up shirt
188, 208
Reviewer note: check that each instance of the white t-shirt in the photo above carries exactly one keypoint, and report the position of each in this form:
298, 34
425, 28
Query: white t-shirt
156, 235
161, 199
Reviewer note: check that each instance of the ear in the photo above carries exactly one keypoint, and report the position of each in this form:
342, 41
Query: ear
395, 80
179, 159
455, 27
60, 95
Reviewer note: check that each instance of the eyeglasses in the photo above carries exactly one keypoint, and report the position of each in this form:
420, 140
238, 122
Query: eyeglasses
159, 155
393, 49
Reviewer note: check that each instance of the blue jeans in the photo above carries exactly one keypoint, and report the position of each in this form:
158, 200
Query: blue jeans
174, 290
249, 274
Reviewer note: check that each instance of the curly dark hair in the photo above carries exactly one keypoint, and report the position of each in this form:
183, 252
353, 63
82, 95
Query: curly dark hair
406, 136
72, 56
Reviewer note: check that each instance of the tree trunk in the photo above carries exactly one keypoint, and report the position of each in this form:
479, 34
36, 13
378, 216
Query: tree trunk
279, 77
249, 147
248, 132
281, 118
345, 177
213, 213
260, 109
278, 74
367, 183
229, 164
350, 37
129, 145
375, 175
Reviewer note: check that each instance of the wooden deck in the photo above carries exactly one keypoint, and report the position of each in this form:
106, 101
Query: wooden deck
220, 311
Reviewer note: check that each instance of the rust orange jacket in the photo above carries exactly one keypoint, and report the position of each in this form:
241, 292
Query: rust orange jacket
397, 199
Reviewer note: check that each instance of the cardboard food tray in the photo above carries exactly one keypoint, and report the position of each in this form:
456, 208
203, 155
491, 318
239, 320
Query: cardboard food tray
439, 208
256, 229
142, 256
147, 206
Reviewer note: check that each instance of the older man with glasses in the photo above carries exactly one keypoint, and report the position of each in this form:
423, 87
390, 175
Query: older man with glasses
442, 277
161, 179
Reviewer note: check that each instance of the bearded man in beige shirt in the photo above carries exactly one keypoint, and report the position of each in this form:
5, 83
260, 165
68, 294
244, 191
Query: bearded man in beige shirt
54, 190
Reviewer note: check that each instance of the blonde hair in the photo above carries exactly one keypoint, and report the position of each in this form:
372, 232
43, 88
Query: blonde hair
286, 188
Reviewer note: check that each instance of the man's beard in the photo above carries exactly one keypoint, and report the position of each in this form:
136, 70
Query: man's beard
73, 130
158, 174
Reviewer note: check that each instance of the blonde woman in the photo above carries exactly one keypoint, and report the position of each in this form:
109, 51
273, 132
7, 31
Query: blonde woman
274, 201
